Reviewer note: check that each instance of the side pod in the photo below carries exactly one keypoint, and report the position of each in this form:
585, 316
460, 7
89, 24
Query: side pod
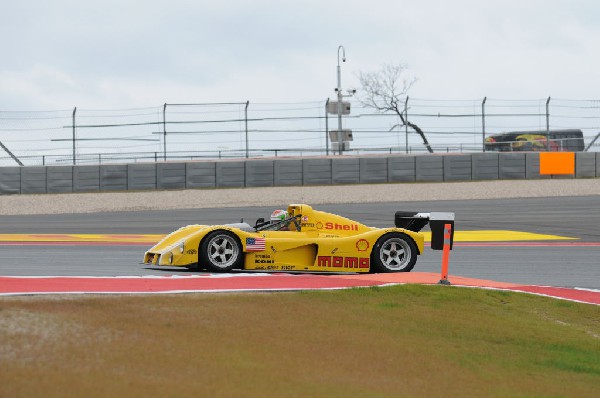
414, 221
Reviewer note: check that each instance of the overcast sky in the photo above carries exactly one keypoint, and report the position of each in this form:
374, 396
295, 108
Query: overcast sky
126, 54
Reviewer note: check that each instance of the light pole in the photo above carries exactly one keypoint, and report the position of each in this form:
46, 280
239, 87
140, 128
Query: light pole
340, 96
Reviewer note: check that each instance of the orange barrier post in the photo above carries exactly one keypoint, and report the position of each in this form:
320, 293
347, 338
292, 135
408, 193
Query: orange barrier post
446, 254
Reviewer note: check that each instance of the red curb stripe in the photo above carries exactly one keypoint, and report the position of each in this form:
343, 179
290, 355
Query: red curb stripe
253, 282
166, 284
585, 296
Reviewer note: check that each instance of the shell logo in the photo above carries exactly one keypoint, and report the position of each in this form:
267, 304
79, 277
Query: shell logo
362, 245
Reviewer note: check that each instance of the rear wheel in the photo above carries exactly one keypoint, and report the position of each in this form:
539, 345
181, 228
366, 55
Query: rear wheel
221, 251
394, 252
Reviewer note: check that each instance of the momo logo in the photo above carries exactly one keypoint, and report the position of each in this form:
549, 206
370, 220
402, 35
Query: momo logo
343, 262
341, 227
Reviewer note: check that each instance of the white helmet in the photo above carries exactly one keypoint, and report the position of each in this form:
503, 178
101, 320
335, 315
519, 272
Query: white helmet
278, 215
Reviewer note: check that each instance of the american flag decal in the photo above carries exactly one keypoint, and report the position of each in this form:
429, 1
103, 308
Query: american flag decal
255, 244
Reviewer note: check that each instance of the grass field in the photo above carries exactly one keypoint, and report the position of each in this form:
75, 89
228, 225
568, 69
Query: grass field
374, 342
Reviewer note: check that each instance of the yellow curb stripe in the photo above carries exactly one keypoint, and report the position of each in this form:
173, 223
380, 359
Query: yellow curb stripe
80, 238
500, 236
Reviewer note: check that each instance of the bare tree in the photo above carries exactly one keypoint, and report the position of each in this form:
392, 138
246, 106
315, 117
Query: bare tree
385, 90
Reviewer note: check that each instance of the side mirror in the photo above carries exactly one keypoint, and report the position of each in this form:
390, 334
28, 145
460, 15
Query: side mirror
259, 222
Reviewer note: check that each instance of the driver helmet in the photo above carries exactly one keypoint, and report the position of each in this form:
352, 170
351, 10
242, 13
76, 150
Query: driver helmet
278, 215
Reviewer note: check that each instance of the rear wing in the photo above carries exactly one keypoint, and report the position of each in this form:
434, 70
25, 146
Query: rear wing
414, 221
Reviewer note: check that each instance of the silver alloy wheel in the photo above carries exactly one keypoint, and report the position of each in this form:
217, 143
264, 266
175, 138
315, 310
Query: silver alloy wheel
395, 254
223, 251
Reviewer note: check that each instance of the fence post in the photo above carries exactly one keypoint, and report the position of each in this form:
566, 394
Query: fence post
246, 125
548, 125
483, 123
165, 131
74, 156
326, 128
406, 119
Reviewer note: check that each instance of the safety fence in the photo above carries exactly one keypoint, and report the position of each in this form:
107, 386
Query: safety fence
282, 172
246, 129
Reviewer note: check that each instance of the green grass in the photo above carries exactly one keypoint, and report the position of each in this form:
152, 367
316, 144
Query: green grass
373, 342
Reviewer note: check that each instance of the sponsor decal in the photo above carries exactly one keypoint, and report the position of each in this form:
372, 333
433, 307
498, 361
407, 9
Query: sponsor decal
362, 245
343, 262
308, 225
319, 225
263, 259
192, 251
304, 218
255, 244
341, 227
268, 267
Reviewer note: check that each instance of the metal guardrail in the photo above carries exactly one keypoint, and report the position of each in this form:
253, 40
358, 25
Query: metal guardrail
156, 156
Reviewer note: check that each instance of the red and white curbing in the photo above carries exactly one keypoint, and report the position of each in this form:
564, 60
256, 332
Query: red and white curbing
259, 282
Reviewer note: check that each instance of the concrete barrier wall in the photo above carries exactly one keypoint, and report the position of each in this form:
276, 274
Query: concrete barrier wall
287, 172
260, 173
284, 172
585, 165
59, 179
485, 166
170, 175
402, 168
458, 168
231, 174
345, 170
512, 166
200, 175
86, 178
316, 171
113, 177
10, 180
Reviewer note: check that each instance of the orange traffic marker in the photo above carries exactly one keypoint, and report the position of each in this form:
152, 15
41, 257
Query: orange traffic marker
557, 163
446, 254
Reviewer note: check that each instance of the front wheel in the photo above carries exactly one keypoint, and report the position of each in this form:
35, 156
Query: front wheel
394, 252
221, 251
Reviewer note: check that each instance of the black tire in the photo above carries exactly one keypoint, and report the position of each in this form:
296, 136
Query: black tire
394, 252
221, 251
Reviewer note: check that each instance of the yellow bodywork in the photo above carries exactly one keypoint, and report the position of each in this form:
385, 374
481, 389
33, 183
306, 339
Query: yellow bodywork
325, 242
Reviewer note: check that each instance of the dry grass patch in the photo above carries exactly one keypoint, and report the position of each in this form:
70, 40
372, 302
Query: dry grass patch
395, 341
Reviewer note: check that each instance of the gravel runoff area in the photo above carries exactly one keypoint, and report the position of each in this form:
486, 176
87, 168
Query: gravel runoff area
272, 196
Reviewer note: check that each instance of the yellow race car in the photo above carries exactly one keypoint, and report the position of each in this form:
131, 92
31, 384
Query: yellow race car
302, 239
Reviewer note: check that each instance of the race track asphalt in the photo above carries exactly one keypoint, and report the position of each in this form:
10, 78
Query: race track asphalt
565, 265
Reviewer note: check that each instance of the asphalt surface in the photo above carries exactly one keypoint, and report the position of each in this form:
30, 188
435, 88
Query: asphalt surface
569, 266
